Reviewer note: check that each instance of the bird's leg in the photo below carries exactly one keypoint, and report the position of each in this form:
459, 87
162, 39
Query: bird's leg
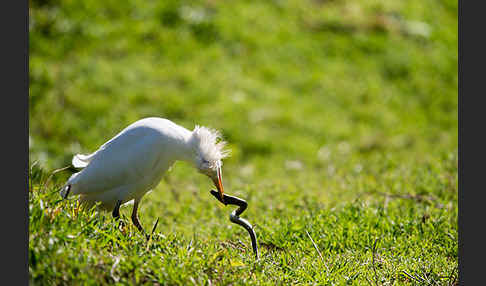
116, 210
135, 220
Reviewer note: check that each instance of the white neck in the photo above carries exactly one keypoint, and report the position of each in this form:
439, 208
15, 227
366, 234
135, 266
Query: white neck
186, 153
182, 150
195, 146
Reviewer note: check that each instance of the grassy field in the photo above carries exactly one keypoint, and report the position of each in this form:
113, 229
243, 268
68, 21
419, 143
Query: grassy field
341, 117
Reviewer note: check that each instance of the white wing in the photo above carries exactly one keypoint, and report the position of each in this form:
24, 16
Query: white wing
130, 158
81, 161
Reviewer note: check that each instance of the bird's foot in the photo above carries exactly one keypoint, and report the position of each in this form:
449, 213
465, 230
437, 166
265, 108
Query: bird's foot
122, 226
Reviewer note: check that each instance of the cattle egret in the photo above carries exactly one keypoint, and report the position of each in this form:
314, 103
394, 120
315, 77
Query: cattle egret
133, 162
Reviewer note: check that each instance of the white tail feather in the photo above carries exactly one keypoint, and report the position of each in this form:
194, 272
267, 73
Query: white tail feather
81, 161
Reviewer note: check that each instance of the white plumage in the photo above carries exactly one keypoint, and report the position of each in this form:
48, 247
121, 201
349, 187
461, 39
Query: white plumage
134, 161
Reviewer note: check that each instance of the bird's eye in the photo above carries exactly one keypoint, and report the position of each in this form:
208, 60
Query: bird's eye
205, 165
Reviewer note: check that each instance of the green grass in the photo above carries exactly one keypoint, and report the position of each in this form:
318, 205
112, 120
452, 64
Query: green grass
341, 117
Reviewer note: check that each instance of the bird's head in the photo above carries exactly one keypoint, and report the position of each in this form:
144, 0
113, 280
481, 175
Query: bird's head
209, 151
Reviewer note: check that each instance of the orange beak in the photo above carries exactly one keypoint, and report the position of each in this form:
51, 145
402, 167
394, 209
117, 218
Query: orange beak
218, 182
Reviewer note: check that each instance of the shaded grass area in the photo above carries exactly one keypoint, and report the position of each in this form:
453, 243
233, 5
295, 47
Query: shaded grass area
341, 117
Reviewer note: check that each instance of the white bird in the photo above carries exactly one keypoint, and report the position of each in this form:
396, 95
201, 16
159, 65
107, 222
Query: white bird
133, 162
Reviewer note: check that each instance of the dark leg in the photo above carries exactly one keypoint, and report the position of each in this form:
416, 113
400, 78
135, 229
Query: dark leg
135, 216
66, 191
116, 210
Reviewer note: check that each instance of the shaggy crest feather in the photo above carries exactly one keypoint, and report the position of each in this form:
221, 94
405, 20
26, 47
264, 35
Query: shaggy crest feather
205, 142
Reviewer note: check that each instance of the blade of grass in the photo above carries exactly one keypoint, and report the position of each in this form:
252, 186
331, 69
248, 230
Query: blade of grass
52, 174
318, 251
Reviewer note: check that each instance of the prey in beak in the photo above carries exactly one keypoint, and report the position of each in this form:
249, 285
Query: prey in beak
218, 182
